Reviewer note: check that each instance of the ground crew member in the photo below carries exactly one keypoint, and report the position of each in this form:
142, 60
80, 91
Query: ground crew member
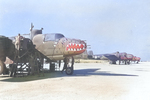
17, 43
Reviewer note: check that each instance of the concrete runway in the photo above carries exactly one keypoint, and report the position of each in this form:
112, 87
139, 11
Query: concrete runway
90, 81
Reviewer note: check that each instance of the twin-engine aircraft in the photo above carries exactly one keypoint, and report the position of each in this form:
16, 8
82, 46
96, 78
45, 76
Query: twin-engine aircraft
57, 47
121, 57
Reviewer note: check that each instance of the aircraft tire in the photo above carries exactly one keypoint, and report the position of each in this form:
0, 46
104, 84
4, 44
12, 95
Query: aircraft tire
129, 61
119, 62
52, 67
114, 62
125, 62
69, 70
11, 70
2, 66
110, 62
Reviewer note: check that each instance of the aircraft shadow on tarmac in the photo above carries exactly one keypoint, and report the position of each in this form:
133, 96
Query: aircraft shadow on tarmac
87, 72
58, 74
142, 69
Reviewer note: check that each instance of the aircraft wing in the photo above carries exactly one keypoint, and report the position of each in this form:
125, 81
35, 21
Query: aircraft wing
111, 57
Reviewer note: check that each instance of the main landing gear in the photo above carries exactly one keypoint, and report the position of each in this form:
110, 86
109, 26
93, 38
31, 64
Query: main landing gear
68, 65
112, 62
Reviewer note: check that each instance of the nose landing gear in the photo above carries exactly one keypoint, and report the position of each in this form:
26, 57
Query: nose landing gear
68, 65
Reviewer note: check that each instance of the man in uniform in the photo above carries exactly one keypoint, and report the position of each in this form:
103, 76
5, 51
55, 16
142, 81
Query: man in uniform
17, 43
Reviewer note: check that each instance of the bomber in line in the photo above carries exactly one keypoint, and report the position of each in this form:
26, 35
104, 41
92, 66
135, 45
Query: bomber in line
114, 57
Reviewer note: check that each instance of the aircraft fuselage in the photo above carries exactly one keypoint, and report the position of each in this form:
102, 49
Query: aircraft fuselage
56, 47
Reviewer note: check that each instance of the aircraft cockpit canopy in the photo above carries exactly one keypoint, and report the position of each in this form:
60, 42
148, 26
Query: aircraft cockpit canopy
53, 37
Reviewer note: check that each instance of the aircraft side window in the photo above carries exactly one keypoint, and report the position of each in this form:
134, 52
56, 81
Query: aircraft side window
53, 37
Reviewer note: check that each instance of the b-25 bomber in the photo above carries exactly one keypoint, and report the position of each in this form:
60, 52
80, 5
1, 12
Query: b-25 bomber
57, 47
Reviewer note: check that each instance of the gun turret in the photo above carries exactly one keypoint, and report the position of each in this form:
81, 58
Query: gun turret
34, 32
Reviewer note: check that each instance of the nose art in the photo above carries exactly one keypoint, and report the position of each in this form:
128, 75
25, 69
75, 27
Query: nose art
81, 47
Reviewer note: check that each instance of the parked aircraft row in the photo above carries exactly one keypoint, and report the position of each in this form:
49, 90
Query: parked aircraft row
114, 57
56, 47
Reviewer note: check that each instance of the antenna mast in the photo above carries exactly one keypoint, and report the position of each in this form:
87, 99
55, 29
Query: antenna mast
31, 30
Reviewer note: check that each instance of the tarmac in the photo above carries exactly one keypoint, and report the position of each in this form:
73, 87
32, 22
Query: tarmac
90, 81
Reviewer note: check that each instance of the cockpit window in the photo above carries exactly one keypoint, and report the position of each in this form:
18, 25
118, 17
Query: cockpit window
49, 37
53, 37
58, 36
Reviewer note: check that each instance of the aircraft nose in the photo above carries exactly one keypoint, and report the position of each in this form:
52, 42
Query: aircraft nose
76, 47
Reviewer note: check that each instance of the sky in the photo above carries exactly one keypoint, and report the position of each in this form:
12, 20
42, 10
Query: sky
106, 25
